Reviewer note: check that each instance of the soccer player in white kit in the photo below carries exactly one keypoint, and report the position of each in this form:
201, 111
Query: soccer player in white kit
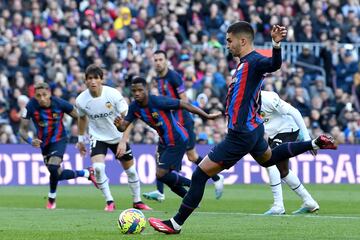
282, 124
100, 105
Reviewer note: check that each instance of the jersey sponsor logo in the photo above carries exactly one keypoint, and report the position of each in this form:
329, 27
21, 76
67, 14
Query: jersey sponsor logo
108, 105
42, 124
100, 115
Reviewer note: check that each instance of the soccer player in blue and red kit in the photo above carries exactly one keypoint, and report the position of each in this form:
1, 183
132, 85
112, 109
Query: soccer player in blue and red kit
170, 84
47, 114
245, 126
156, 111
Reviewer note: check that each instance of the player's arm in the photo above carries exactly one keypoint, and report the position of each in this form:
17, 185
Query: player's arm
24, 128
191, 108
271, 64
82, 124
74, 114
123, 122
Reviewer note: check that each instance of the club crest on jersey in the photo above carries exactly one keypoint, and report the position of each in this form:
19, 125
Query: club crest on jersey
55, 115
108, 105
155, 115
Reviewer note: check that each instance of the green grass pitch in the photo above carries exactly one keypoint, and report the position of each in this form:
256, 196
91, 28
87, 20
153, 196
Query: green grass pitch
80, 215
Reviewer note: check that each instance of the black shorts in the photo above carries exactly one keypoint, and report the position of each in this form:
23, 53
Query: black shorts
236, 145
189, 126
99, 147
170, 157
54, 149
283, 138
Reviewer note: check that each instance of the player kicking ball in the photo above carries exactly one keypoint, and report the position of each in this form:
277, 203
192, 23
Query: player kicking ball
156, 111
245, 125
282, 124
47, 113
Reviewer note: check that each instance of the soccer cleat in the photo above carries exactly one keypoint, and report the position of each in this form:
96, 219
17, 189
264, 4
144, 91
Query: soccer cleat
141, 206
160, 226
325, 142
219, 187
307, 207
51, 205
110, 207
92, 176
154, 195
275, 210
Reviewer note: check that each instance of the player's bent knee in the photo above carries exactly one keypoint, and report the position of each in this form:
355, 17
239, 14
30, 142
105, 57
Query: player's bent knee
53, 169
54, 160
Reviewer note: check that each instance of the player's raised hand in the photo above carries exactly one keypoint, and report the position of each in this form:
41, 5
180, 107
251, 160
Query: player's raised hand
118, 121
278, 33
82, 148
214, 115
36, 142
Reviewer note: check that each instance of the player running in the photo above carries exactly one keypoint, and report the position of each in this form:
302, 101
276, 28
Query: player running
47, 113
282, 124
245, 126
99, 105
171, 85
156, 112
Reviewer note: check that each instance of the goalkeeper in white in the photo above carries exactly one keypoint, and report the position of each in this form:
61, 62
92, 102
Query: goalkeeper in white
282, 124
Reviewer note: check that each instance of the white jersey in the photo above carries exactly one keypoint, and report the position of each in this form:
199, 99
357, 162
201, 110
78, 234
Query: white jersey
275, 114
101, 112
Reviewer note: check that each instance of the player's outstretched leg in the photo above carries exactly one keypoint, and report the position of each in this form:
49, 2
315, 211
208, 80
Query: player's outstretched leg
275, 183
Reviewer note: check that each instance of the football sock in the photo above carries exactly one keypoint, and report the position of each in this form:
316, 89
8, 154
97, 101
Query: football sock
175, 182
67, 174
287, 150
174, 224
102, 180
134, 183
54, 177
294, 183
214, 178
275, 184
52, 196
160, 186
82, 173
193, 197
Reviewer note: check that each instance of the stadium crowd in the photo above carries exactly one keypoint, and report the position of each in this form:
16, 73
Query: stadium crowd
54, 41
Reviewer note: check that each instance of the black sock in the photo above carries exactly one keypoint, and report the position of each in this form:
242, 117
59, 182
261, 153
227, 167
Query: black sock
67, 174
54, 176
179, 190
51, 200
198, 161
287, 150
193, 197
160, 186
172, 179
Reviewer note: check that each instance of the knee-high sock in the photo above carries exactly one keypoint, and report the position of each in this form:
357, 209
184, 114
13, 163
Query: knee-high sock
134, 183
275, 184
175, 182
102, 180
160, 186
54, 177
294, 183
287, 150
214, 178
193, 197
67, 174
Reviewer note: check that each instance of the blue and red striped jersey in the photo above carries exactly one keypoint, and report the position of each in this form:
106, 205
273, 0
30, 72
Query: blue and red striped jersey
243, 100
172, 85
49, 121
158, 115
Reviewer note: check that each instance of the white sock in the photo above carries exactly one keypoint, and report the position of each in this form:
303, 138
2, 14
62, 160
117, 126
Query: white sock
134, 183
275, 184
294, 183
102, 180
86, 173
52, 195
315, 147
176, 226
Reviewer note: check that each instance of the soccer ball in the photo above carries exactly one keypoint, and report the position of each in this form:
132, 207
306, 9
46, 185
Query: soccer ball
131, 221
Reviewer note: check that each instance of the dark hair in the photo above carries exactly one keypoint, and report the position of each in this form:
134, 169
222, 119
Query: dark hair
243, 28
42, 86
137, 80
94, 70
159, 51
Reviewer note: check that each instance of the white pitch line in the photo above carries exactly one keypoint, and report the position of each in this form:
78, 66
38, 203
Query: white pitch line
201, 213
